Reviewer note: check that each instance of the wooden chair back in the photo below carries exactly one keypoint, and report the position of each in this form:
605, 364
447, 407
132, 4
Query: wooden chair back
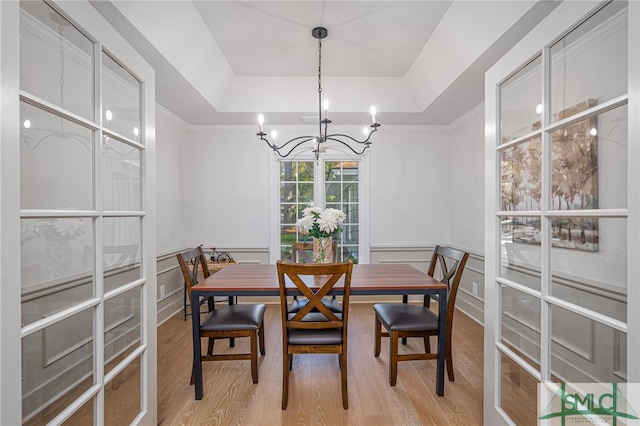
190, 262
314, 328
314, 281
451, 263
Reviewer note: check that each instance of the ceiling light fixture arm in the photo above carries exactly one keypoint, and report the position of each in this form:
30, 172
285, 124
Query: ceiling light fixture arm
365, 142
276, 148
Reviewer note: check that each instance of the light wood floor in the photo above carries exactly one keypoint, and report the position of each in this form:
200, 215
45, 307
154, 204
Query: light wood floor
230, 397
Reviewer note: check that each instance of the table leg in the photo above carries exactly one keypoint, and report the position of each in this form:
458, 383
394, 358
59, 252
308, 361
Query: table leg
442, 347
197, 353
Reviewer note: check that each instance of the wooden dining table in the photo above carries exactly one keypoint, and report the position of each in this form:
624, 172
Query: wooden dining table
375, 279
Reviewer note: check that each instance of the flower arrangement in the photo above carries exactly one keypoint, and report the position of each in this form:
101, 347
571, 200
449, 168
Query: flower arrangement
319, 223
61, 230
57, 235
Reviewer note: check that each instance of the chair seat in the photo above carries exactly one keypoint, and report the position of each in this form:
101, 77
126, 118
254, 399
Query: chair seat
406, 317
300, 302
322, 336
235, 317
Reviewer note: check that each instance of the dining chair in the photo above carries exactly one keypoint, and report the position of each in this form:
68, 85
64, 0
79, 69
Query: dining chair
402, 320
303, 253
227, 322
314, 329
195, 267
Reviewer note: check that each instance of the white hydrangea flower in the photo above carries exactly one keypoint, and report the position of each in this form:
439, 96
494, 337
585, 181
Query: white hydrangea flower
309, 211
328, 221
305, 223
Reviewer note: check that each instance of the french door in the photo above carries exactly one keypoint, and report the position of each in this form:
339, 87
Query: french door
561, 209
82, 198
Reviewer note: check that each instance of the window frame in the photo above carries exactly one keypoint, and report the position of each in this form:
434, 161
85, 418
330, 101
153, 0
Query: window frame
319, 194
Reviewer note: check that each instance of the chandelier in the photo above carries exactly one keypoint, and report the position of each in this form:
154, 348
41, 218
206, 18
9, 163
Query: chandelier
288, 147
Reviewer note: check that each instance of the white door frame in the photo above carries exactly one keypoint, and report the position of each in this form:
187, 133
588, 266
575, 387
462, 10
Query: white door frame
10, 347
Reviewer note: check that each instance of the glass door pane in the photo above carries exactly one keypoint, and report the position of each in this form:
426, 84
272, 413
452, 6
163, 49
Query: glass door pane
57, 367
596, 48
595, 279
56, 162
521, 102
120, 99
341, 179
56, 59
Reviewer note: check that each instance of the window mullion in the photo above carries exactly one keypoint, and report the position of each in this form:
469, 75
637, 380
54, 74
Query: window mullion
319, 184
545, 222
98, 229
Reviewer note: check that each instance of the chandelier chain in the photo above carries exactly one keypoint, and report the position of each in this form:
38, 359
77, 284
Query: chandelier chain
61, 80
320, 66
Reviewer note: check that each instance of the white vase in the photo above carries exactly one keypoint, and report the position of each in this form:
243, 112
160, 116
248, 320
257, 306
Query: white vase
58, 258
323, 250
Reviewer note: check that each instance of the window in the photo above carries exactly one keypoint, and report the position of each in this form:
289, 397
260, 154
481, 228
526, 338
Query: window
296, 193
326, 184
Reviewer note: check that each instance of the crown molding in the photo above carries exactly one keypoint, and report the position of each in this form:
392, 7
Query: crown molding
251, 128
172, 117
464, 118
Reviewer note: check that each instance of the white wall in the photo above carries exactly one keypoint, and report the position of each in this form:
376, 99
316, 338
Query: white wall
227, 193
467, 181
467, 206
172, 140
410, 186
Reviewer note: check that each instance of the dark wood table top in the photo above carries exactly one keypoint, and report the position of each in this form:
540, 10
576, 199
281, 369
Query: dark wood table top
384, 278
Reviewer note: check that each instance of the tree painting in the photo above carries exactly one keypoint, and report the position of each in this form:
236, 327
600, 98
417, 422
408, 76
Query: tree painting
574, 181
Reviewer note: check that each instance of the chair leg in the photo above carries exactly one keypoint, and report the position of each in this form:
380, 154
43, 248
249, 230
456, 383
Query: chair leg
261, 338
290, 362
378, 338
254, 355
286, 365
193, 379
185, 302
210, 346
232, 342
393, 357
427, 345
449, 360
343, 369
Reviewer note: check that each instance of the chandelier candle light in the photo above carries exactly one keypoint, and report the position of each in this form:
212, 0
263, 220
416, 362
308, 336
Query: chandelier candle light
323, 226
288, 147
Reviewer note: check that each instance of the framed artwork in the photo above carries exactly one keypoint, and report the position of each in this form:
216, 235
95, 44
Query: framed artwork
574, 182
